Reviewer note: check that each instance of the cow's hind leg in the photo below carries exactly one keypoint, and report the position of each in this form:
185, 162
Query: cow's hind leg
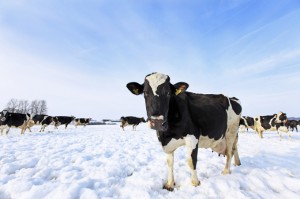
231, 150
192, 150
23, 130
237, 161
43, 128
280, 136
170, 162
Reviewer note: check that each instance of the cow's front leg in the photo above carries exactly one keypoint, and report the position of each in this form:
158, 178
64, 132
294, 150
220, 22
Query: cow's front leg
192, 151
170, 162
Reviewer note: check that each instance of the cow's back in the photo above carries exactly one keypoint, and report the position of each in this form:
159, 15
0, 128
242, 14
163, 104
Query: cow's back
213, 116
210, 113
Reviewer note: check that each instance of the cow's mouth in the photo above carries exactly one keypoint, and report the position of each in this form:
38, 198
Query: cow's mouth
158, 124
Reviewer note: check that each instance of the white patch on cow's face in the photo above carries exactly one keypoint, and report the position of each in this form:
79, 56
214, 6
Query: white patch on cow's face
155, 80
161, 117
3, 114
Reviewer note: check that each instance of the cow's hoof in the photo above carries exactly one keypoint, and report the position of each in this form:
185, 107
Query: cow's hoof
196, 183
237, 164
169, 187
226, 172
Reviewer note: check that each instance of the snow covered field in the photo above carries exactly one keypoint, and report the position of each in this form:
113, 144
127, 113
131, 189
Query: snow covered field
105, 162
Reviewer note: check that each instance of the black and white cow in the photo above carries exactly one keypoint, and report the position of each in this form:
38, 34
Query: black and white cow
82, 121
59, 120
185, 118
130, 120
44, 120
3, 127
292, 124
275, 122
246, 122
18, 120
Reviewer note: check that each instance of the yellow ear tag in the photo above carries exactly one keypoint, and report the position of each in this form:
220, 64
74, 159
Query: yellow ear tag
178, 91
136, 91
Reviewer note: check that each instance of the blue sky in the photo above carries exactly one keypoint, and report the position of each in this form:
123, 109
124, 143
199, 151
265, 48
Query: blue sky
79, 55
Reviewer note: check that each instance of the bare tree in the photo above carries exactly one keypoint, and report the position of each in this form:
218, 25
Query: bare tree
43, 107
24, 106
12, 105
34, 107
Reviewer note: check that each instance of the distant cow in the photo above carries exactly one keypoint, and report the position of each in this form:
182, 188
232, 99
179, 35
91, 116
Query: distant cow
18, 120
130, 120
194, 120
82, 121
60, 120
3, 127
43, 120
275, 122
246, 122
292, 124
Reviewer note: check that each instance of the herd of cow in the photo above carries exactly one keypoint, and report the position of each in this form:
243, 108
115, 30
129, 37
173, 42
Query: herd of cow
26, 121
276, 122
182, 118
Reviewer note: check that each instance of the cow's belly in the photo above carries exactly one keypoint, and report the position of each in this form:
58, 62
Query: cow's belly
125, 124
218, 146
283, 129
19, 125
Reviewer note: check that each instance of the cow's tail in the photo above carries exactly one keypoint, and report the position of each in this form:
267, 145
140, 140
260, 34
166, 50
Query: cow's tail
236, 105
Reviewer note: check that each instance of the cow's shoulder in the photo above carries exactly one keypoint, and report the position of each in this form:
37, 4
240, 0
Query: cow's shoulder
207, 101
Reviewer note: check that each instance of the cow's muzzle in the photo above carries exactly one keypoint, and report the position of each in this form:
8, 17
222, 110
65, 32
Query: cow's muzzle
158, 124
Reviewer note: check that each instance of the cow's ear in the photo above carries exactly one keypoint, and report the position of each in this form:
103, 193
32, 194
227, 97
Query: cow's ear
180, 87
135, 88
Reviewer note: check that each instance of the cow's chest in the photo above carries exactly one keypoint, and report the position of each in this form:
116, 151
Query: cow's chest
218, 146
173, 144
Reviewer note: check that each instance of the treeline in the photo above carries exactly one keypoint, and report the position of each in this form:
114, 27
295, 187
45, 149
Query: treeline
25, 106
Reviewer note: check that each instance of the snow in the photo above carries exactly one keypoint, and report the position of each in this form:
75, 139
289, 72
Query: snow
105, 162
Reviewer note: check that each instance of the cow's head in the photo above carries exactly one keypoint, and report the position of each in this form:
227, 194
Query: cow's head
281, 118
157, 91
3, 115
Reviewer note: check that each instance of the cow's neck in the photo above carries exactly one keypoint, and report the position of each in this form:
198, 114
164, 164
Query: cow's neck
179, 121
